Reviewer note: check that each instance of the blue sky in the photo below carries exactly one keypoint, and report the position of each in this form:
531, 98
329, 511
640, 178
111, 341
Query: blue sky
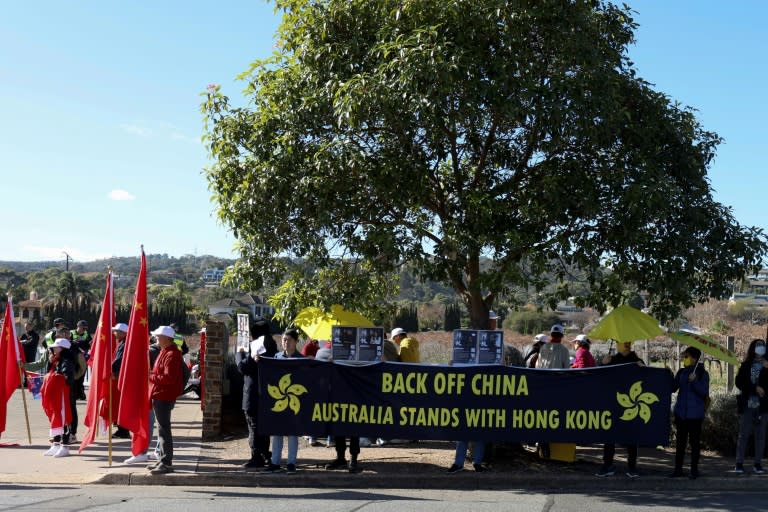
100, 136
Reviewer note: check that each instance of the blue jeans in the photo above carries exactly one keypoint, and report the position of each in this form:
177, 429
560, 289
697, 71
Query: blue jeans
461, 452
277, 449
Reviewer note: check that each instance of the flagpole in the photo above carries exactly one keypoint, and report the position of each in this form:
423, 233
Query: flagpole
26, 413
109, 426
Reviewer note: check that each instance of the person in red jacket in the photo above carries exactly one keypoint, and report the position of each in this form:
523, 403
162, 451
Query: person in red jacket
584, 358
166, 382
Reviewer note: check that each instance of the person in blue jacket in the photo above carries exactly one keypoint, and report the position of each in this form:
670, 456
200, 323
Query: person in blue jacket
692, 386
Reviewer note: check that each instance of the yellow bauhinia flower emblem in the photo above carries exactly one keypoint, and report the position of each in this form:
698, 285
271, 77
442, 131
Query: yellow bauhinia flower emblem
286, 394
636, 403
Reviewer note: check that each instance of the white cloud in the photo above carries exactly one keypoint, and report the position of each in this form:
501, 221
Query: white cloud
136, 129
121, 195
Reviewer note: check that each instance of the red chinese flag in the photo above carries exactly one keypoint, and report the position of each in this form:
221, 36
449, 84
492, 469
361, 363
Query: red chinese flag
10, 359
133, 412
102, 351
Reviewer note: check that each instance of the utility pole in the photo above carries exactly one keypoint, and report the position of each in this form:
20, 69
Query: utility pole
67, 260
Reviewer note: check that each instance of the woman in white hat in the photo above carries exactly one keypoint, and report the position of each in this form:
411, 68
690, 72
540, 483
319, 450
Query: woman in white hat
55, 393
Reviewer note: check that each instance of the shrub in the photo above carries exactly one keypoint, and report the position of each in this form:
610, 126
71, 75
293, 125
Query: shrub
721, 426
530, 322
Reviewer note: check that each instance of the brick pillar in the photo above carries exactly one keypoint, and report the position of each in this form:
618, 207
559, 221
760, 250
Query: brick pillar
217, 339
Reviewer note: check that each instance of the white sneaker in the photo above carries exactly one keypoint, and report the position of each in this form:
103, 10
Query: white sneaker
140, 458
153, 456
52, 450
63, 451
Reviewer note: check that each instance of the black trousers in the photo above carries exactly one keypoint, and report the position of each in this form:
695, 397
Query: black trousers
341, 447
609, 450
688, 428
258, 444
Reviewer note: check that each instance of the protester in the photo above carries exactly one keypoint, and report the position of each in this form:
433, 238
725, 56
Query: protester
461, 455
623, 356
166, 384
120, 331
409, 347
145, 456
290, 341
30, 341
554, 354
531, 352
390, 352
752, 404
56, 396
583, 358
340, 442
310, 348
692, 385
247, 364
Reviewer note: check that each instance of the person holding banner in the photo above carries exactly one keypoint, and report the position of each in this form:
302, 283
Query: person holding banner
692, 386
584, 358
290, 341
624, 355
752, 403
263, 345
409, 347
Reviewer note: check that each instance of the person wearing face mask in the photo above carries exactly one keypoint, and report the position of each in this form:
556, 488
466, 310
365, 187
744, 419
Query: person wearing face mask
692, 386
752, 403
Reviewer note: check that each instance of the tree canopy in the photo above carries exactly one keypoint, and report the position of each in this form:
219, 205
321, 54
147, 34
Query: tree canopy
439, 132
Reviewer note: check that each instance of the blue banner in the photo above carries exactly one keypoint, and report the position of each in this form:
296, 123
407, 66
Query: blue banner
623, 404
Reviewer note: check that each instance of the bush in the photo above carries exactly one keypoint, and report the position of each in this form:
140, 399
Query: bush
530, 322
721, 426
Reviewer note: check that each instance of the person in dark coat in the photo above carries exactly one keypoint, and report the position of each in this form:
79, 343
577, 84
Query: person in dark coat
247, 364
692, 386
752, 404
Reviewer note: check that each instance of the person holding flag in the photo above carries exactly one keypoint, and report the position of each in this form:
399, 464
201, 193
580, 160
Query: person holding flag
56, 396
98, 405
133, 383
166, 385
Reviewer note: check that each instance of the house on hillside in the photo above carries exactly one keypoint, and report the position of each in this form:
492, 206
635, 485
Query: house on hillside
254, 304
30, 310
213, 275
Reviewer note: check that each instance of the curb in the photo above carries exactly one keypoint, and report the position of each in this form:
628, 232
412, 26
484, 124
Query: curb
466, 480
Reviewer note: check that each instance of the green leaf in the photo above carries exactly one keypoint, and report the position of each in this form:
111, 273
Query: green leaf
280, 405
274, 392
624, 400
648, 398
645, 412
635, 390
285, 382
630, 414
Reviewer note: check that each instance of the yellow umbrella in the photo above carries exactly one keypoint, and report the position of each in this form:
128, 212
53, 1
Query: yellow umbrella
317, 323
706, 345
626, 323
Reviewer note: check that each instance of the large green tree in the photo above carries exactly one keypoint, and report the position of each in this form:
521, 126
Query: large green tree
438, 132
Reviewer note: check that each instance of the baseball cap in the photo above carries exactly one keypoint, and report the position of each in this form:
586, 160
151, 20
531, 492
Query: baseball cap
582, 338
61, 342
120, 327
164, 330
58, 321
397, 331
82, 323
543, 338
557, 329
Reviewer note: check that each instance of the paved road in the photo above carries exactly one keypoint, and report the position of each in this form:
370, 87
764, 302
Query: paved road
233, 499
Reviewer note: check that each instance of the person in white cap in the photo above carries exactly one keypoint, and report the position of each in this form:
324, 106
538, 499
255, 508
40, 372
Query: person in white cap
166, 384
583, 358
554, 355
409, 347
56, 396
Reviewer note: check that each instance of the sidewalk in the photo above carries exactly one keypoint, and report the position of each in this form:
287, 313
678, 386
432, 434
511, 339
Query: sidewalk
413, 465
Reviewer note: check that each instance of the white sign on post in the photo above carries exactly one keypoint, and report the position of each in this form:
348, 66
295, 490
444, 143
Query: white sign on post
243, 331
